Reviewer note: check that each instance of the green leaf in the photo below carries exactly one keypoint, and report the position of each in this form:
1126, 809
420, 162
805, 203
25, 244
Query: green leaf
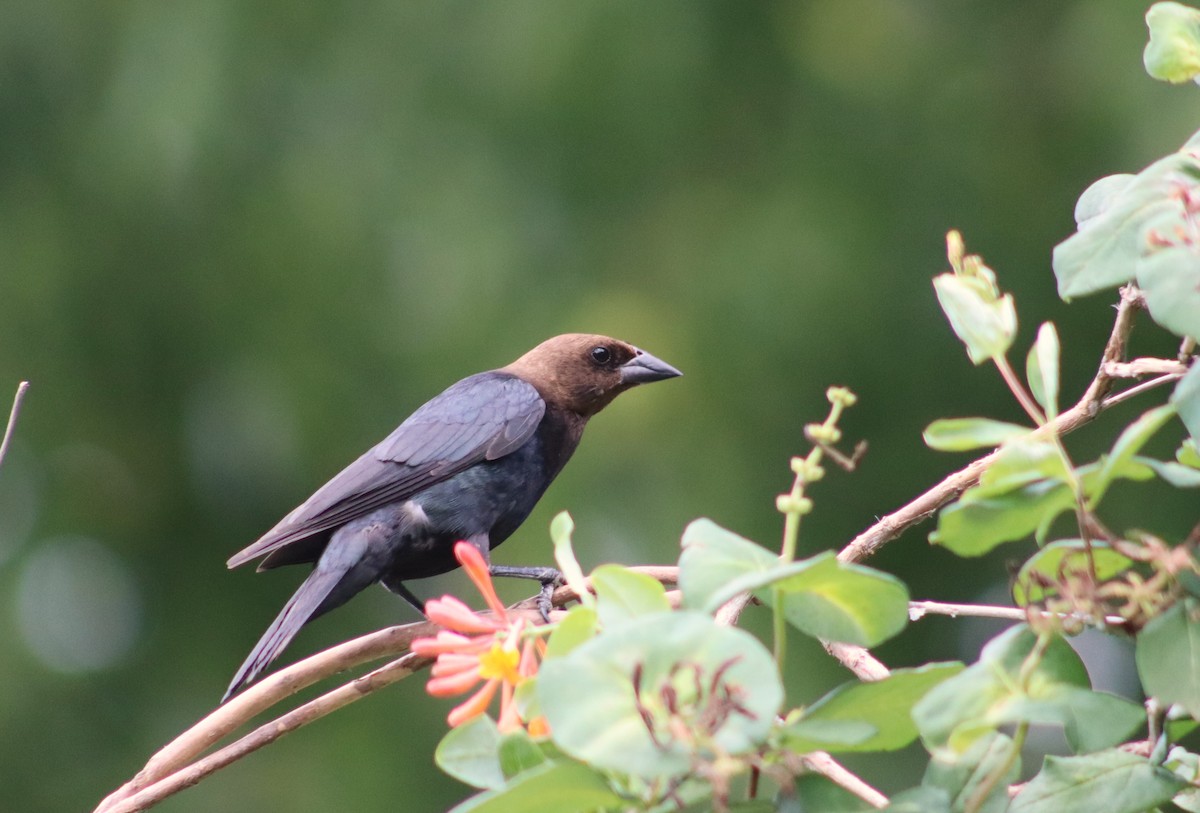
1041, 369
518, 753
525, 697
1060, 558
1179, 724
1176, 474
984, 322
1099, 197
1173, 52
1128, 444
1105, 250
575, 788
1111, 781
1090, 720
975, 524
623, 595
1168, 656
842, 602
828, 599
712, 557
579, 626
470, 753
1187, 455
961, 775
561, 529
959, 711
822, 597
1186, 399
1022, 461
883, 709
625, 671
1170, 279
964, 434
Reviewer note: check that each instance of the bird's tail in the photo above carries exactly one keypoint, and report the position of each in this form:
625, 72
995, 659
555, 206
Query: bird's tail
323, 590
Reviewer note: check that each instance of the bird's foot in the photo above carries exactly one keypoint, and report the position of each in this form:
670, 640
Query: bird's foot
549, 577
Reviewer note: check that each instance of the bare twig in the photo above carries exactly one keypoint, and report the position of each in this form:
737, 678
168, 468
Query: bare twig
858, 660
820, 762
18, 399
1144, 366
731, 610
1089, 406
919, 609
1145, 386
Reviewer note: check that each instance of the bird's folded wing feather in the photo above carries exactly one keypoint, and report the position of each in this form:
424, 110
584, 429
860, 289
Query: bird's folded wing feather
483, 417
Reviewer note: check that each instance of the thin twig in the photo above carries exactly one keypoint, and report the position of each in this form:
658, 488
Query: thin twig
820, 762
919, 609
857, 659
1018, 390
1125, 395
1089, 406
18, 399
1144, 366
730, 611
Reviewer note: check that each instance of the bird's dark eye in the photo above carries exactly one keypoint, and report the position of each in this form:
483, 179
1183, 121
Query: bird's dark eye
601, 355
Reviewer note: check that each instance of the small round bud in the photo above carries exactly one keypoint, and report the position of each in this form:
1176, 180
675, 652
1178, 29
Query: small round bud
787, 504
954, 248
841, 395
819, 433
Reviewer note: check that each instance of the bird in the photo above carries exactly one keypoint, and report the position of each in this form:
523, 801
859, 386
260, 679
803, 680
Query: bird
469, 465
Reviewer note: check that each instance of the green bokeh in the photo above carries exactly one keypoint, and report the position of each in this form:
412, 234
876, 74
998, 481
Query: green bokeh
239, 241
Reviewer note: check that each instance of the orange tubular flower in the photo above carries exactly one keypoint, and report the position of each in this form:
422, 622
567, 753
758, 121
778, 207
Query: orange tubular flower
475, 649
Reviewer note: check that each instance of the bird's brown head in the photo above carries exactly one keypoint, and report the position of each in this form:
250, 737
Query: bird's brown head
583, 372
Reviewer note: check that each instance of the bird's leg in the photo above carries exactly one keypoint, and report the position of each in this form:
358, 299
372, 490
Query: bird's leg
397, 587
548, 576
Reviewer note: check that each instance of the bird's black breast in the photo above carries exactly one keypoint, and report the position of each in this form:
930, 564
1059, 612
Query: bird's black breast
490, 499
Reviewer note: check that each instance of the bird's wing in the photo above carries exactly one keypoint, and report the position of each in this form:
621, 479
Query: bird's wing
483, 417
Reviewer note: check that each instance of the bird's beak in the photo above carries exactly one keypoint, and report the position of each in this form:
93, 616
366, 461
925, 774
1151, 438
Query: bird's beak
644, 368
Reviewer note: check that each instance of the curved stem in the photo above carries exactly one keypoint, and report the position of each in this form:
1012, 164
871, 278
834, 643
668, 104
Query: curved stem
22, 388
1018, 390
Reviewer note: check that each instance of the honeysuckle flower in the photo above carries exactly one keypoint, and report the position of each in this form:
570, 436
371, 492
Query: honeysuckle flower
475, 649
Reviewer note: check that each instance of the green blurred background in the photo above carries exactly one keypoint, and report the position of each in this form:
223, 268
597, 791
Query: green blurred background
240, 241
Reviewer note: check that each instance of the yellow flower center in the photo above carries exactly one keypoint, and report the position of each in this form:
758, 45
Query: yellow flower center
500, 663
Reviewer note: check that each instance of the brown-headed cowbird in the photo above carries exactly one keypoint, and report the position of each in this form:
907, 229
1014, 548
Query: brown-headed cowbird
468, 465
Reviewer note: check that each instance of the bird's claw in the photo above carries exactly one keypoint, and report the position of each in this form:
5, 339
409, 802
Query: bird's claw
544, 600
549, 577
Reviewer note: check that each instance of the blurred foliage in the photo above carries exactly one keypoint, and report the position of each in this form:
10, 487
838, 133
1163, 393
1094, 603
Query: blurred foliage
239, 242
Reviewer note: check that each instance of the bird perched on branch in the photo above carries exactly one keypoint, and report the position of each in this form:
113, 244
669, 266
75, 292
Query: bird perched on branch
468, 465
